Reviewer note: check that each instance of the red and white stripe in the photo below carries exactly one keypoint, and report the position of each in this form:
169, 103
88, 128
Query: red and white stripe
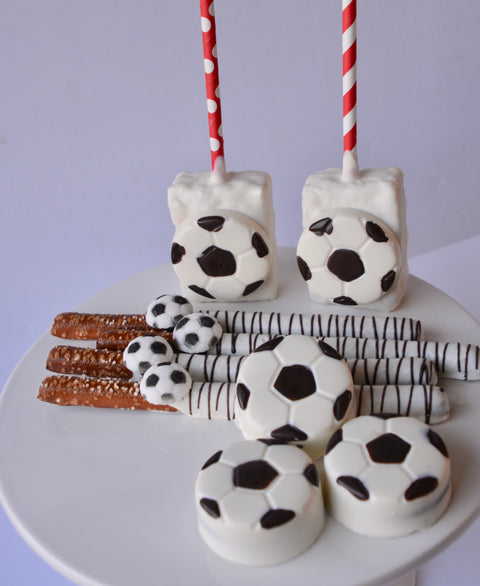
349, 46
209, 38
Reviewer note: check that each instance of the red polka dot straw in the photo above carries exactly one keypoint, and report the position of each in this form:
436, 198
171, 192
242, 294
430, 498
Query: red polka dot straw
209, 37
349, 42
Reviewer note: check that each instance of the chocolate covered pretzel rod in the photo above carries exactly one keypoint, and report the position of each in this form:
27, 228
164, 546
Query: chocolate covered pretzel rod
95, 392
452, 359
88, 326
217, 400
355, 326
425, 402
217, 368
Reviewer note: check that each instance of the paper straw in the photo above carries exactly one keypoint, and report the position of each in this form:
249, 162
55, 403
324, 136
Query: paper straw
214, 109
349, 52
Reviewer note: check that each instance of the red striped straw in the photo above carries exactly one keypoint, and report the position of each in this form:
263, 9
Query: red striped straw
349, 51
209, 36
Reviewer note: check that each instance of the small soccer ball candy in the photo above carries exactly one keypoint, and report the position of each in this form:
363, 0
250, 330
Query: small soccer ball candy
197, 333
348, 257
165, 384
166, 311
223, 255
295, 389
259, 502
387, 475
144, 352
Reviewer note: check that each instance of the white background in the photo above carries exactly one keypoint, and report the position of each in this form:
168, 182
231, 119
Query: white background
102, 103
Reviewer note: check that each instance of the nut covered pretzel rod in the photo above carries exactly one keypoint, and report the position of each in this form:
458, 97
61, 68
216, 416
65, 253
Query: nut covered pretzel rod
88, 326
354, 326
452, 359
217, 368
217, 400
95, 392
88, 361
119, 339
425, 402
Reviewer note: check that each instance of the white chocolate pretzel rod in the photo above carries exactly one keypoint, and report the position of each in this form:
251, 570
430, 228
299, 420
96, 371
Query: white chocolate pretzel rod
217, 400
452, 359
425, 402
354, 326
217, 368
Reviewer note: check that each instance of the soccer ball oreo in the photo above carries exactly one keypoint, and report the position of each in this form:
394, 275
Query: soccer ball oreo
165, 384
259, 502
387, 476
197, 333
348, 257
294, 389
166, 311
221, 255
146, 351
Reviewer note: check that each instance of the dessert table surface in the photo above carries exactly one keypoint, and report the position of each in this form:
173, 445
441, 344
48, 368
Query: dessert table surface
457, 563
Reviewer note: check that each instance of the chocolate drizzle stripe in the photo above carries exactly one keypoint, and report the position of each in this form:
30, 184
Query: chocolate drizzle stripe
270, 324
337, 325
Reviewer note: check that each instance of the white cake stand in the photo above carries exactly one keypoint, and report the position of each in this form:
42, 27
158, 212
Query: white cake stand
106, 497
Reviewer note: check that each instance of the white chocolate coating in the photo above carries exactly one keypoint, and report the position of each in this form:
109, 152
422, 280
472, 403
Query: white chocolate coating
398, 371
378, 192
215, 400
294, 389
355, 326
246, 192
259, 504
452, 359
387, 477
348, 257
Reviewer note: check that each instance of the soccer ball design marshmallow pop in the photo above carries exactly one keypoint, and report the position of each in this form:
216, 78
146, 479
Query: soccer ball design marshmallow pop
224, 255
348, 257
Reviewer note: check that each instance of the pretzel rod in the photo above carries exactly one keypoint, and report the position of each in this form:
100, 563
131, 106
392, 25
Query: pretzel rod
216, 400
88, 361
217, 368
88, 326
119, 339
95, 392
428, 403
258, 322
454, 360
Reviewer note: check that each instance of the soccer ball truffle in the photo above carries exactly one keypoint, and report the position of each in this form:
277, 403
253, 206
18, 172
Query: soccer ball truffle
165, 384
197, 333
387, 476
144, 352
224, 255
348, 257
259, 502
294, 389
166, 311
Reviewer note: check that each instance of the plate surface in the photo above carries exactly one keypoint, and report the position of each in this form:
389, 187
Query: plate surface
106, 496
